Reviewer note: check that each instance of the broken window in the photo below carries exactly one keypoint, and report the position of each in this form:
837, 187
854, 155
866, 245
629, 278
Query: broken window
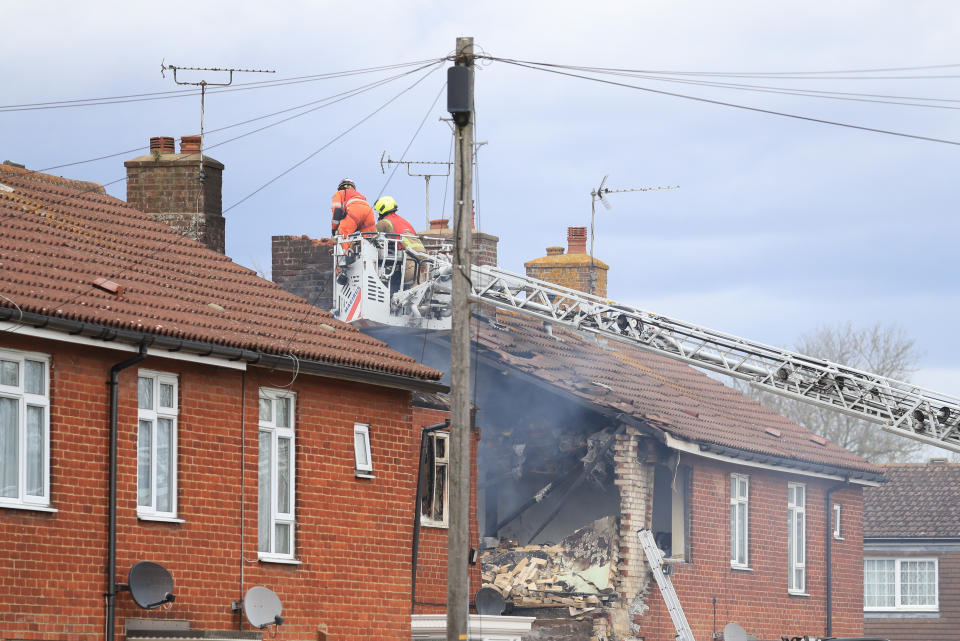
433, 502
671, 510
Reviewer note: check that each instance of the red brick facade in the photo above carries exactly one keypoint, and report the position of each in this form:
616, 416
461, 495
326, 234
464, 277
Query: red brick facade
757, 598
352, 534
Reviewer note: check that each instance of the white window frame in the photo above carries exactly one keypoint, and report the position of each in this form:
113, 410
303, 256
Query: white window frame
154, 414
439, 462
270, 429
24, 400
837, 531
361, 451
898, 593
796, 553
737, 498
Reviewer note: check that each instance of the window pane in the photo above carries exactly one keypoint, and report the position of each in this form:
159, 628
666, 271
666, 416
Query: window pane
360, 449
916, 583
9, 447
166, 395
440, 487
164, 465
33, 382
733, 532
742, 533
144, 463
283, 538
145, 393
35, 450
283, 476
283, 412
791, 495
10, 373
264, 489
733, 488
441, 445
266, 410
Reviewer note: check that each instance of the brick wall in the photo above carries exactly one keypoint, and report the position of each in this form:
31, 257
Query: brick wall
432, 556
757, 599
939, 626
353, 535
304, 266
168, 186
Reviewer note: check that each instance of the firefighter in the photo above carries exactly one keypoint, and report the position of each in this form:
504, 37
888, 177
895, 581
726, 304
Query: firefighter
392, 223
351, 211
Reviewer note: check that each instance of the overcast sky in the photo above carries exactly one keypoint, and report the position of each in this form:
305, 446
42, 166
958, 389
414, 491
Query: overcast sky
779, 226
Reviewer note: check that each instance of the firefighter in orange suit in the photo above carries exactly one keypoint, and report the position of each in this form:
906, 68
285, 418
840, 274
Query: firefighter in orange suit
351, 211
392, 223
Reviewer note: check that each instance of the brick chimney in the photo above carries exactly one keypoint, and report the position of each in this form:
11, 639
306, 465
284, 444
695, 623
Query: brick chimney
168, 186
484, 245
572, 269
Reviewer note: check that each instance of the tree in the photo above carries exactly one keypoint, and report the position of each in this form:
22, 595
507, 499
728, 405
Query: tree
879, 349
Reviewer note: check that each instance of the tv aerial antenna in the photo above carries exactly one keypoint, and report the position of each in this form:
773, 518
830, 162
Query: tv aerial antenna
203, 84
426, 175
600, 194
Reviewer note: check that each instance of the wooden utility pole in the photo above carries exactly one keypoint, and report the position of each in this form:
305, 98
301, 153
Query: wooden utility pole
460, 98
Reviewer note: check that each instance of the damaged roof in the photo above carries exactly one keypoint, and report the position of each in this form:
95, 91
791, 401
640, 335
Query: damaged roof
662, 392
920, 501
69, 250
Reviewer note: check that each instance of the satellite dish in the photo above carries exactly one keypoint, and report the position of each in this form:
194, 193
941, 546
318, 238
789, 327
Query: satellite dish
733, 632
489, 601
150, 585
262, 607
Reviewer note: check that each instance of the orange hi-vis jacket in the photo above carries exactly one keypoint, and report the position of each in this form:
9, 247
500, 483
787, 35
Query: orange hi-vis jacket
358, 214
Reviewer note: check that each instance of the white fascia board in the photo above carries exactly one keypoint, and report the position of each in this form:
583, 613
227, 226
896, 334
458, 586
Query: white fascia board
693, 448
36, 332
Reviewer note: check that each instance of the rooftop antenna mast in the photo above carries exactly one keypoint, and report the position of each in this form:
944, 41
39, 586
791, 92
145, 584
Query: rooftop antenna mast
385, 160
203, 84
599, 194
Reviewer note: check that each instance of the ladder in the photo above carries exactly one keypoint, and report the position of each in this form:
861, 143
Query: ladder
898, 407
655, 559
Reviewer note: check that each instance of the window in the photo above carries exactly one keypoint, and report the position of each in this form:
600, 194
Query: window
836, 522
434, 502
739, 497
275, 475
671, 509
156, 445
796, 538
900, 584
24, 429
361, 450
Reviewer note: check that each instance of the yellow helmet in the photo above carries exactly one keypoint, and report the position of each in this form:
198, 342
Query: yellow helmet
385, 205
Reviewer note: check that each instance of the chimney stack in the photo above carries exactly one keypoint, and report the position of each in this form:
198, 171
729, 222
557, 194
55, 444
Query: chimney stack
484, 245
172, 188
574, 269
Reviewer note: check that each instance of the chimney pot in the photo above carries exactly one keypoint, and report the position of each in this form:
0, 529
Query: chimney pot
439, 223
190, 145
554, 251
577, 240
162, 145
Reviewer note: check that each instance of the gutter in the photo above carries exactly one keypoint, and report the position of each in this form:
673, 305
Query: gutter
789, 465
201, 348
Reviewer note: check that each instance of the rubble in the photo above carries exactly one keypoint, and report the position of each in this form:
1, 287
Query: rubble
576, 574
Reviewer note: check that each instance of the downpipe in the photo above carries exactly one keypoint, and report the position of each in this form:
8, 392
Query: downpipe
111, 594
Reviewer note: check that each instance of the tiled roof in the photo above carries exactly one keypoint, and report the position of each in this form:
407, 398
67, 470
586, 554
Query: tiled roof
662, 392
920, 500
60, 236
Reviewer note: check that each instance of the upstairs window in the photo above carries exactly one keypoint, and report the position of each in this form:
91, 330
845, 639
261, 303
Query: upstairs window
434, 503
739, 500
276, 476
157, 396
24, 429
837, 532
363, 462
796, 538
900, 584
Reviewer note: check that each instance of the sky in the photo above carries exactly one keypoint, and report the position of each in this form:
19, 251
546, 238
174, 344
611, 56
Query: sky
779, 225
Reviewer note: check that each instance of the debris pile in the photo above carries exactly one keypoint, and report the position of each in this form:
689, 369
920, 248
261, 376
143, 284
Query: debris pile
577, 573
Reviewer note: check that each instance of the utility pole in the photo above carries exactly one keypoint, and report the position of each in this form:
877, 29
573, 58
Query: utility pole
460, 106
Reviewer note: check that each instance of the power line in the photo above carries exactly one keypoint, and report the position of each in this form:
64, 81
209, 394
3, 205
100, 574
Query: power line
332, 140
729, 104
182, 93
330, 100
